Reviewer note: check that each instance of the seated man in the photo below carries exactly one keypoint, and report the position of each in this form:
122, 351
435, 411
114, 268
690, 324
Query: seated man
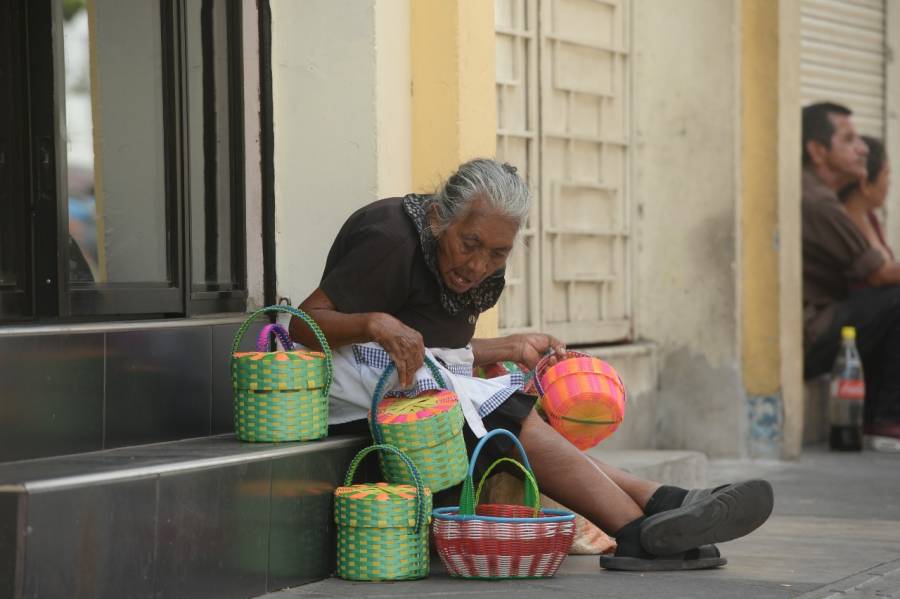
846, 281
409, 276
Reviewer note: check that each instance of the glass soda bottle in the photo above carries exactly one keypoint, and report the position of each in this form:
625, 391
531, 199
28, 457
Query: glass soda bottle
846, 397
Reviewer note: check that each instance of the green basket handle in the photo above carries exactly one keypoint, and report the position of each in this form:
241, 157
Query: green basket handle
420, 488
320, 336
380, 390
532, 494
468, 499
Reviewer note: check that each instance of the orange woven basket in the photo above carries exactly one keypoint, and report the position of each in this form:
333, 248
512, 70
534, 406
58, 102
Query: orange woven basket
582, 396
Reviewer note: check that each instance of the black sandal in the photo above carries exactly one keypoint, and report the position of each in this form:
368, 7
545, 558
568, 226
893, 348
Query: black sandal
708, 516
701, 558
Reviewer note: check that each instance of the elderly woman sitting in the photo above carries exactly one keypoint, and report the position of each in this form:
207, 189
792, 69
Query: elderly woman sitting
409, 276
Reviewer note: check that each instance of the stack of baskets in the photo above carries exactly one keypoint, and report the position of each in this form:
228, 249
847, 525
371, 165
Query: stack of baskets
582, 397
426, 428
281, 395
502, 541
382, 528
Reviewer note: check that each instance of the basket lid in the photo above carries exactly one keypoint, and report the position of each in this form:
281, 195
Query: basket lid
279, 370
378, 505
280, 356
378, 492
396, 410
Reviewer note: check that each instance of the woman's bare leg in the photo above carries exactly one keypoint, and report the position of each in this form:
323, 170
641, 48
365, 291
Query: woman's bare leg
581, 484
638, 489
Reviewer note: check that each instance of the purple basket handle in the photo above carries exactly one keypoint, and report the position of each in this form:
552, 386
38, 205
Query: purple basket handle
262, 343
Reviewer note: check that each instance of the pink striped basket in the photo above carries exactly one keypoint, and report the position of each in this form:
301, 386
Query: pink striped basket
582, 397
502, 541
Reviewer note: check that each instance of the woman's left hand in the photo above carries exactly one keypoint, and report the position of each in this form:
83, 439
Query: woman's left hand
531, 347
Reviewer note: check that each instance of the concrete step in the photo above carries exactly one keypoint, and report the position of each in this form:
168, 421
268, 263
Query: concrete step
208, 517
682, 468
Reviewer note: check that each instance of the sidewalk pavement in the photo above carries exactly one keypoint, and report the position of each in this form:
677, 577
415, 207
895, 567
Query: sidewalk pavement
835, 532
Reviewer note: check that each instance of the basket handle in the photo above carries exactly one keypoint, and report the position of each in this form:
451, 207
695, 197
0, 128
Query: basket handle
380, 390
467, 500
262, 342
532, 493
542, 366
320, 336
420, 488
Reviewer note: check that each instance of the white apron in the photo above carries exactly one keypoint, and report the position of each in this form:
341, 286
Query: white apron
357, 369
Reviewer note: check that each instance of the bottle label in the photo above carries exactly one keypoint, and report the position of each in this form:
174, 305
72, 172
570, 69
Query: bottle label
851, 389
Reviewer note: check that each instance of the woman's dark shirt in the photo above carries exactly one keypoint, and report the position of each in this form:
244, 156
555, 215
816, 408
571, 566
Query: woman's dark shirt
376, 265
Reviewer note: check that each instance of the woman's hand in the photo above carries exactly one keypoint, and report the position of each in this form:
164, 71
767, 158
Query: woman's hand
524, 348
403, 344
531, 347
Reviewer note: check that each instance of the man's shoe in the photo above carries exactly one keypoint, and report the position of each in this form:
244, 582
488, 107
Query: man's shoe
884, 436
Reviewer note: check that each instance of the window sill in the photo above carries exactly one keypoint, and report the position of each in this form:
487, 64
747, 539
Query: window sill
125, 325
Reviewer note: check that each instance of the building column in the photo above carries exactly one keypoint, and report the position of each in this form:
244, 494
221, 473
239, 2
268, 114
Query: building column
453, 94
769, 229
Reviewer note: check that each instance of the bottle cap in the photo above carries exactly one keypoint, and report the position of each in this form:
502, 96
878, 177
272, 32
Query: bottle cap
848, 332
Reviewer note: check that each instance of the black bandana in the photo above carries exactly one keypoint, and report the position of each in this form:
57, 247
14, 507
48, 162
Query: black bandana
477, 299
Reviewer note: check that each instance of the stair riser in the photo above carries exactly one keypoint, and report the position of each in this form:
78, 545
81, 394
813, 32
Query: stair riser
234, 531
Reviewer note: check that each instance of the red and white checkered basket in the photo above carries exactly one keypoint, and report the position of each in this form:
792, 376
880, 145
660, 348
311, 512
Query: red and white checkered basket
500, 541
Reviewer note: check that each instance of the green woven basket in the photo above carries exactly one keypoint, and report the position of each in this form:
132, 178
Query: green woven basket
282, 395
427, 428
382, 529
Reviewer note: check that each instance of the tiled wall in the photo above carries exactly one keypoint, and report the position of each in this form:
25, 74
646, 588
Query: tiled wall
71, 392
230, 531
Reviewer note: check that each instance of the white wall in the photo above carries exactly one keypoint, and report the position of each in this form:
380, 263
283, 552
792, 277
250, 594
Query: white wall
685, 90
252, 171
892, 119
341, 95
323, 84
394, 97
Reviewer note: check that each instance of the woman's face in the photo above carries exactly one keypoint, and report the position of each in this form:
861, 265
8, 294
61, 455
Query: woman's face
474, 246
876, 192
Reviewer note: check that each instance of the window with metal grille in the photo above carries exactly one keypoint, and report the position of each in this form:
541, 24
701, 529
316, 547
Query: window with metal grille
130, 147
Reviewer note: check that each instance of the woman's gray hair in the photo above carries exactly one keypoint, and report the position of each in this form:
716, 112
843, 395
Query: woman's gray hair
499, 184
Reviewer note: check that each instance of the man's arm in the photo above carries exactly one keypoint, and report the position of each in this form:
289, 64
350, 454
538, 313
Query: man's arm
888, 274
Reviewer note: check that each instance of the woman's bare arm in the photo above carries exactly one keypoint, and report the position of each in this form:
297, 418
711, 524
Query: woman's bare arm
525, 348
403, 344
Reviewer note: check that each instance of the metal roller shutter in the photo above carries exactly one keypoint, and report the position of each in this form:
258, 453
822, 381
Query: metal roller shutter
843, 58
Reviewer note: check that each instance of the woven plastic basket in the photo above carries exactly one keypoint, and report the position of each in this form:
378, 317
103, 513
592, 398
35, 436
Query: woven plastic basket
582, 397
382, 529
427, 428
500, 541
281, 395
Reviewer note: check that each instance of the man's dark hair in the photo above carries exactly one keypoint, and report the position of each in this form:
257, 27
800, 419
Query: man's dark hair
817, 125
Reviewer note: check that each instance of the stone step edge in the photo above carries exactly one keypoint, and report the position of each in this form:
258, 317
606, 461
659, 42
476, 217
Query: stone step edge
240, 453
683, 468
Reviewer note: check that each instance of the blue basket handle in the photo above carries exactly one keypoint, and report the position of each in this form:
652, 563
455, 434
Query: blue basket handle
467, 499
